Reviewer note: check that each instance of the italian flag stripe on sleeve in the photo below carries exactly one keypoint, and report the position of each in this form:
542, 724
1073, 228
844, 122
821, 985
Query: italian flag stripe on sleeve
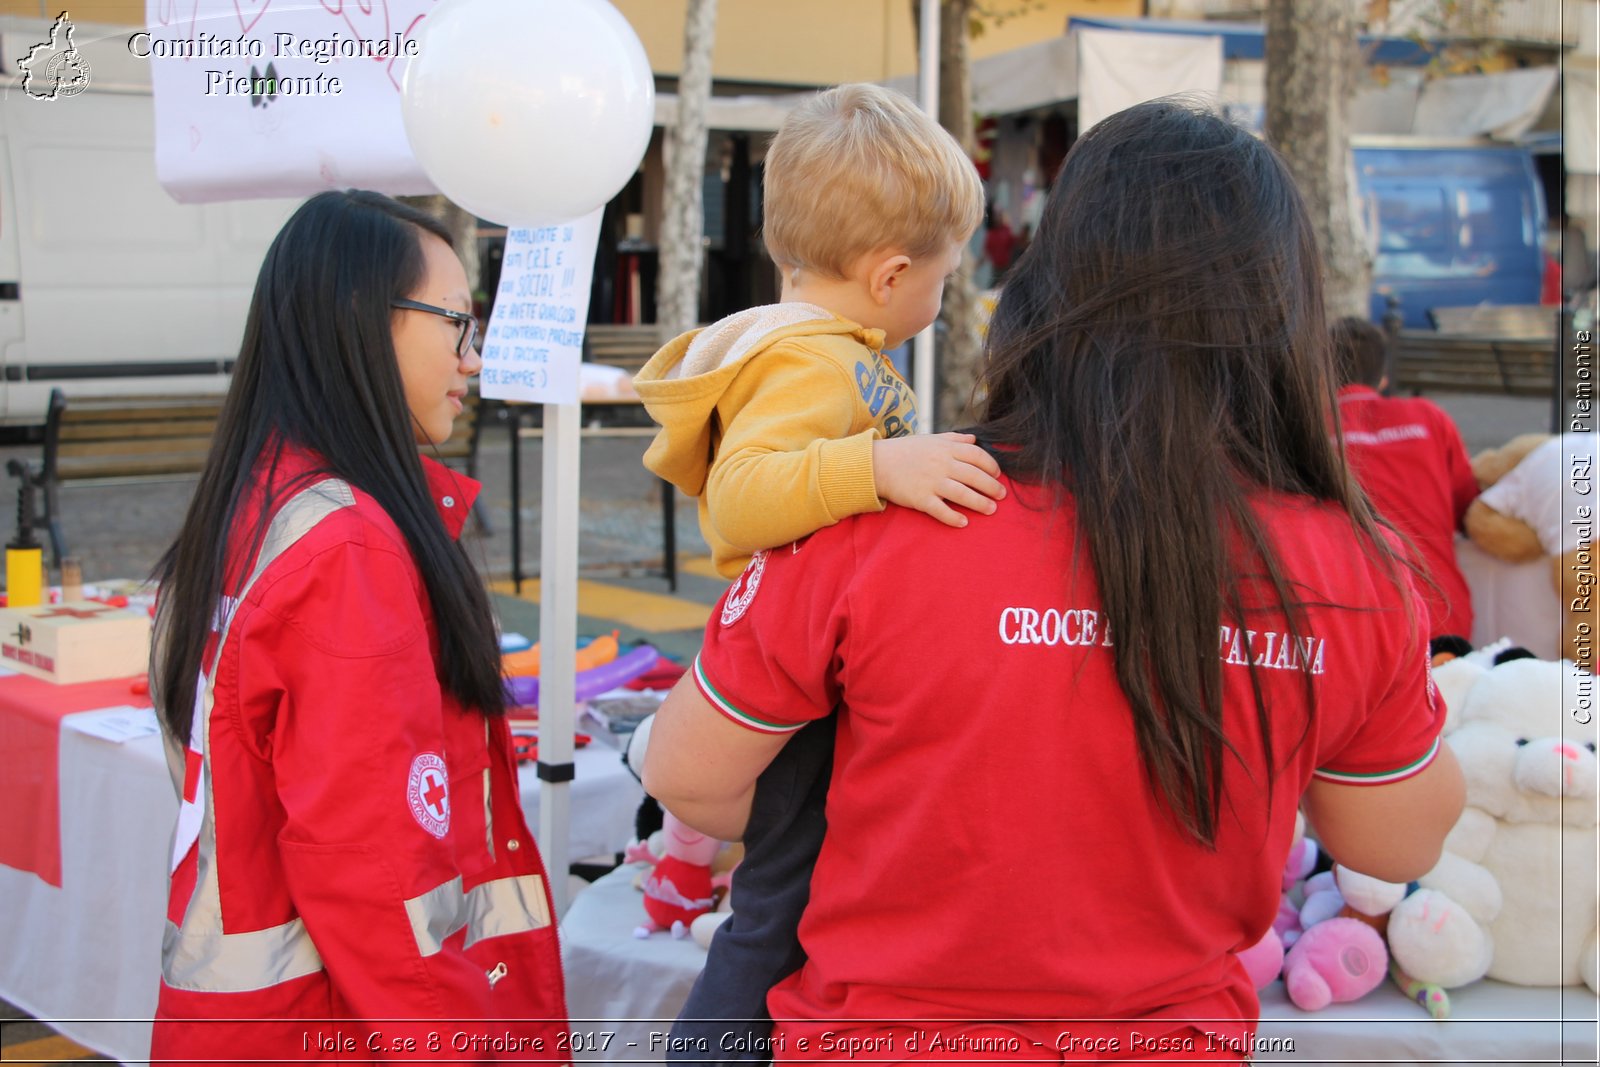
743, 718
1379, 777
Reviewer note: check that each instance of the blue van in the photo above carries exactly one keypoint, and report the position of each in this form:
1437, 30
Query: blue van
1453, 224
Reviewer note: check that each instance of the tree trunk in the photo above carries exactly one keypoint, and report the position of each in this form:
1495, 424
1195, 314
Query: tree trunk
1312, 61
463, 227
683, 222
961, 346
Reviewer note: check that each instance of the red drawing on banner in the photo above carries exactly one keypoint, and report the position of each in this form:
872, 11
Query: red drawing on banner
258, 6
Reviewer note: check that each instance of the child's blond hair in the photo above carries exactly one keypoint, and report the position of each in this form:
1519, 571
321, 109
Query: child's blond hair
860, 169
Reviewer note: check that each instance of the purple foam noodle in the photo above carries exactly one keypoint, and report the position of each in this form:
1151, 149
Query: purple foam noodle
524, 692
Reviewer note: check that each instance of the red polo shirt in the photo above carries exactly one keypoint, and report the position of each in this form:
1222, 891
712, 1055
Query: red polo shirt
994, 850
1408, 456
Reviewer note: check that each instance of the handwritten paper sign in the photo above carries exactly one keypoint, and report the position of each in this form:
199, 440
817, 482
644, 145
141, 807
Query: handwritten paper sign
535, 339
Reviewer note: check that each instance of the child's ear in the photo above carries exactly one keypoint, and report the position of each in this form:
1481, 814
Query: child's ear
884, 275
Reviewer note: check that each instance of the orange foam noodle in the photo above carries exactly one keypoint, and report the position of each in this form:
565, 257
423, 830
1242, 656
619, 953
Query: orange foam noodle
596, 653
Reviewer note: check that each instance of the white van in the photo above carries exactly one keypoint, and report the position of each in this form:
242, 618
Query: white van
107, 285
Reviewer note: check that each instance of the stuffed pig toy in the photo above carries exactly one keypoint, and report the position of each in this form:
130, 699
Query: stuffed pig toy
679, 887
1514, 896
1336, 961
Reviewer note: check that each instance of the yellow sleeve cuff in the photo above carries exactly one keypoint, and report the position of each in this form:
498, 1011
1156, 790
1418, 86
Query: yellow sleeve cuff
844, 476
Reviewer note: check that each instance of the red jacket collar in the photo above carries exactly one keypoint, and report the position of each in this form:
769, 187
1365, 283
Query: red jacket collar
452, 493
1356, 389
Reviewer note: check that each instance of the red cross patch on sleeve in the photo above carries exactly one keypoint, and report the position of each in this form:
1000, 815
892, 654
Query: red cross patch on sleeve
428, 794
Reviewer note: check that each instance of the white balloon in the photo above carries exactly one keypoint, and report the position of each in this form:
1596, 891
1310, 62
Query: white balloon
528, 112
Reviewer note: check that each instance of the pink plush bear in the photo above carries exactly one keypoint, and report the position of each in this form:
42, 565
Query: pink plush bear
1337, 960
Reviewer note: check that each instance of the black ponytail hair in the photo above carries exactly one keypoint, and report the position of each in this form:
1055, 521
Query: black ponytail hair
317, 371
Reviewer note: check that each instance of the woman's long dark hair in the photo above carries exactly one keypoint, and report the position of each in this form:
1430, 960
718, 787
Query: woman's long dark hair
1160, 352
317, 371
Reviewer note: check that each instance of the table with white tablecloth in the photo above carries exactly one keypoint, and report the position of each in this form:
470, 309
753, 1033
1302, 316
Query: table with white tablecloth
90, 950
1515, 600
625, 992
86, 955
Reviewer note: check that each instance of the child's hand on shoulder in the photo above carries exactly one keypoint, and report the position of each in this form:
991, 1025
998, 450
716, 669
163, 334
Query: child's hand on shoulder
924, 471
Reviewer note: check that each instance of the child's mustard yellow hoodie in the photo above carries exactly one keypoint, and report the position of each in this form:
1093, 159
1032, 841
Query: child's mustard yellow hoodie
768, 417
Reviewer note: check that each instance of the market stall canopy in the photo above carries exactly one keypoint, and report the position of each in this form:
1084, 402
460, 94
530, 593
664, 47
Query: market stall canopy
1504, 105
1022, 79
1049, 72
1248, 40
1121, 69
753, 112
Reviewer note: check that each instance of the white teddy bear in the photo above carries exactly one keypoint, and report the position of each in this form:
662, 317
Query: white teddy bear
1514, 896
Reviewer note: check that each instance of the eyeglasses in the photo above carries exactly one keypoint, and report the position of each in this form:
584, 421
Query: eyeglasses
469, 323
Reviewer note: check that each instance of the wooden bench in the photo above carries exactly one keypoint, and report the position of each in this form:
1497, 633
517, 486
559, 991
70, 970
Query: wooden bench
1533, 321
110, 440
628, 347
1504, 350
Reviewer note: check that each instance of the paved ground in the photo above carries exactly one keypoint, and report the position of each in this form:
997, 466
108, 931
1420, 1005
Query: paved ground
120, 530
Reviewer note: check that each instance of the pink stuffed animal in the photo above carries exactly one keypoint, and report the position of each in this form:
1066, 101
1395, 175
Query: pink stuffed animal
1263, 961
1337, 960
678, 890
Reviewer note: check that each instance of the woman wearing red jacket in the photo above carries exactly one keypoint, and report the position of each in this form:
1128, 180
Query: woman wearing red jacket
352, 877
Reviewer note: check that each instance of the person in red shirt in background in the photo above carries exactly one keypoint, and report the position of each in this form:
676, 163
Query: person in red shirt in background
999, 245
1408, 456
1550, 282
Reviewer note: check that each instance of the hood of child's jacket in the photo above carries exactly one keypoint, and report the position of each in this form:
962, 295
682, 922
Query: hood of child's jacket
682, 384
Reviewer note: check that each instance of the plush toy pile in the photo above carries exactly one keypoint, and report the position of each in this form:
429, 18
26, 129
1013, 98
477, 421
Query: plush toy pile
1327, 942
1514, 896
1521, 518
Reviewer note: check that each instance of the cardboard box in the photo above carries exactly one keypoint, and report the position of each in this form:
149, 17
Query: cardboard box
77, 641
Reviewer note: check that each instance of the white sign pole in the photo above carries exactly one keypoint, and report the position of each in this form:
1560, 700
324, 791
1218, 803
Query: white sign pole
928, 80
531, 353
558, 637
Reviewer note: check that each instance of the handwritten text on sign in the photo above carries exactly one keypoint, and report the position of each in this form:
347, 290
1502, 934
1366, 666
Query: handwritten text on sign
535, 339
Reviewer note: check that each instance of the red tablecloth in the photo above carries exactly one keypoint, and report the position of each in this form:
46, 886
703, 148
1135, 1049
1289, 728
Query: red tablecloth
31, 711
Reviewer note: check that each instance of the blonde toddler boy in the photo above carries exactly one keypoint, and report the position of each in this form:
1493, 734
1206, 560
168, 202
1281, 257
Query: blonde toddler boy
787, 418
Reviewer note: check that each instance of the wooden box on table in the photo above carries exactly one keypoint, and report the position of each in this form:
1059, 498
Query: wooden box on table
77, 641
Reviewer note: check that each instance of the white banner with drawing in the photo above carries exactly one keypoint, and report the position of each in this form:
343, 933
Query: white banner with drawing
534, 343
271, 98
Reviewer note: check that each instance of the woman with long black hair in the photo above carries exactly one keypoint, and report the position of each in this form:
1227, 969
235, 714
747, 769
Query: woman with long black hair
1072, 738
350, 846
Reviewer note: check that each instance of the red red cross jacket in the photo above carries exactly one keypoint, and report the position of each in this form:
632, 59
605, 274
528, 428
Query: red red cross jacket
353, 875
